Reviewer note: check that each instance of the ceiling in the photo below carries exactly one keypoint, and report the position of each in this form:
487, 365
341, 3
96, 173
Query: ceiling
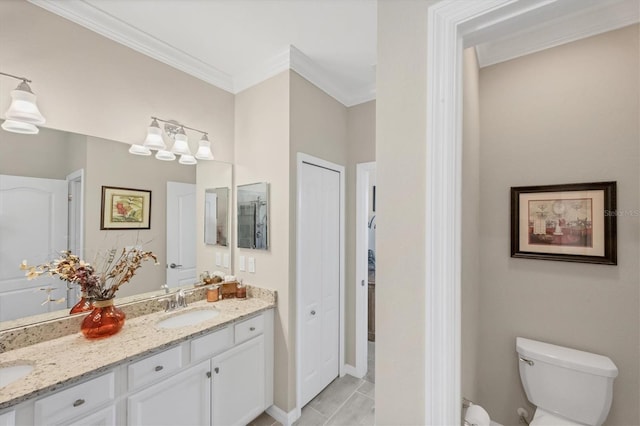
234, 44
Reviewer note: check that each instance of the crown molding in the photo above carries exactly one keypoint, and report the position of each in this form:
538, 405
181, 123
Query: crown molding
600, 17
98, 21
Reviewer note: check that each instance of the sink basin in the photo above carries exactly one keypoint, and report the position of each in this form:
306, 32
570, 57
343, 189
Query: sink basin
188, 318
11, 373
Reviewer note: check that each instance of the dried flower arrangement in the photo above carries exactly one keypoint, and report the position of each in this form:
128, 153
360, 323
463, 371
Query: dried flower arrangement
98, 282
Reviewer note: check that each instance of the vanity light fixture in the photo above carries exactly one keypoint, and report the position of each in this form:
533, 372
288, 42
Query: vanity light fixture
174, 131
23, 114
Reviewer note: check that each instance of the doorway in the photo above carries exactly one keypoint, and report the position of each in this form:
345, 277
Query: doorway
319, 275
365, 269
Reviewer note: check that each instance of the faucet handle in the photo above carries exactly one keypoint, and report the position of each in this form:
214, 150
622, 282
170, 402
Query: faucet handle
165, 287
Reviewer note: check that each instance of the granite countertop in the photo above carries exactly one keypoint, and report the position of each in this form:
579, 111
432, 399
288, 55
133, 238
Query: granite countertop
73, 358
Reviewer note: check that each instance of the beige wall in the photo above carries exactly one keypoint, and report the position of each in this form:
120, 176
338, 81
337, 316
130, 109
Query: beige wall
400, 235
262, 155
49, 154
470, 279
568, 114
361, 148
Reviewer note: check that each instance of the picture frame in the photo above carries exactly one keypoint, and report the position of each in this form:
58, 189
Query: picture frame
570, 222
125, 208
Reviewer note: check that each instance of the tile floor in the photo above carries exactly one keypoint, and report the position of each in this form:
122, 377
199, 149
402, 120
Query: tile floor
347, 401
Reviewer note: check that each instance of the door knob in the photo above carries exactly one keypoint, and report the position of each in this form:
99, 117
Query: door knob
362, 283
313, 312
174, 266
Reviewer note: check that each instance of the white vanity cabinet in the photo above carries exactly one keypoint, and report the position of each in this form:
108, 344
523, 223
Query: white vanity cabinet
223, 378
182, 399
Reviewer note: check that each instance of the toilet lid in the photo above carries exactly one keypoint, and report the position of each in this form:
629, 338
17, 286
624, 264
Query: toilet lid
543, 418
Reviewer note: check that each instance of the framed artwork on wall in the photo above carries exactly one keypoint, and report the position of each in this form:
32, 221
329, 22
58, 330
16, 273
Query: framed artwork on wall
571, 223
125, 208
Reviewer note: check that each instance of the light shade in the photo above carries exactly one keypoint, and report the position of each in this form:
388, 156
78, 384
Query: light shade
20, 127
165, 155
23, 106
204, 149
187, 159
154, 137
181, 145
139, 150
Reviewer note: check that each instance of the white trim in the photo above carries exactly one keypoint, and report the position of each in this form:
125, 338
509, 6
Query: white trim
555, 29
76, 176
300, 159
352, 371
98, 21
287, 419
449, 24
101, 22
363, 175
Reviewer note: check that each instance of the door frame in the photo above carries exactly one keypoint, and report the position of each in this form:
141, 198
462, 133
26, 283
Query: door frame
302, 158
363, 200
451, 26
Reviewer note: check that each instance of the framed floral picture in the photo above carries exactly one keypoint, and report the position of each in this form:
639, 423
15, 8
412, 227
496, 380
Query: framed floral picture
571, 223
125, 208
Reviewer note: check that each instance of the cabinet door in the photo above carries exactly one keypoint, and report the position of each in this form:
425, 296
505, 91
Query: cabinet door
184, 399
8, 418
239, 384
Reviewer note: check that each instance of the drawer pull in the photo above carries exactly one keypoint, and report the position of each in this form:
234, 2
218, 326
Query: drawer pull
252, 329
159, 368
208, 374
78, 402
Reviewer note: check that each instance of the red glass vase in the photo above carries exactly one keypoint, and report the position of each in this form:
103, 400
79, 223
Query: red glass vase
103, 321
85, 304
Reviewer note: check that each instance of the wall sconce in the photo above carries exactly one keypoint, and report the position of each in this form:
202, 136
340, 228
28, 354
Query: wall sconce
175, 132
23, 114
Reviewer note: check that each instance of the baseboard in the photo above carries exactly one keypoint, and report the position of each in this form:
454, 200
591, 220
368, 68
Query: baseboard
352, 371
287, 419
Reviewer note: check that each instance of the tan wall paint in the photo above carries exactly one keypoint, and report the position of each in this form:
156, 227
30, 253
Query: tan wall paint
568, 114
88, 84
46, 155
361, 148
470, 225
109, 164
262, 155
400, 236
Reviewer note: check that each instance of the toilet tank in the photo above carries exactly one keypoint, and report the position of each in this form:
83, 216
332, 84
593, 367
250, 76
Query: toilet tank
574, 384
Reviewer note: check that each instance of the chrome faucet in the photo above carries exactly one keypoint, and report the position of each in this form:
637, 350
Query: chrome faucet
175, 301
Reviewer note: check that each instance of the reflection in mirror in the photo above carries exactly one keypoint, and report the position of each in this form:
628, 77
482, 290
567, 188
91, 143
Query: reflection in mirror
253, 208
216, 216
83, 164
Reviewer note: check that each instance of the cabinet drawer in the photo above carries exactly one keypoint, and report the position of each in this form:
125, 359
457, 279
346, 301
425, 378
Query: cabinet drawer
252, 327
211, 344
155, 367
75, 401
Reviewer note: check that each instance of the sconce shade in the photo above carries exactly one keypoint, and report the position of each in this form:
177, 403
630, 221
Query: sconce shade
154, 137
165, 155
20, 127
23, 106
181, 145
204, 149
187, 159
139, 150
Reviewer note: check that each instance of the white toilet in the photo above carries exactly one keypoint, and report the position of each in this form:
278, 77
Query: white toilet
568, 386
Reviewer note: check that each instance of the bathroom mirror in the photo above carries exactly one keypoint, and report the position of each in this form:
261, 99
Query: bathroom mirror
216, 216
53, 155
252, 216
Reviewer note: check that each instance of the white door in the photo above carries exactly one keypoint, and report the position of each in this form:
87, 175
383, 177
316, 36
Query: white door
33, 227
181, 233
319, 263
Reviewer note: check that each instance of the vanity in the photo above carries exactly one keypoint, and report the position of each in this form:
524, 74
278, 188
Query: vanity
159, 369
